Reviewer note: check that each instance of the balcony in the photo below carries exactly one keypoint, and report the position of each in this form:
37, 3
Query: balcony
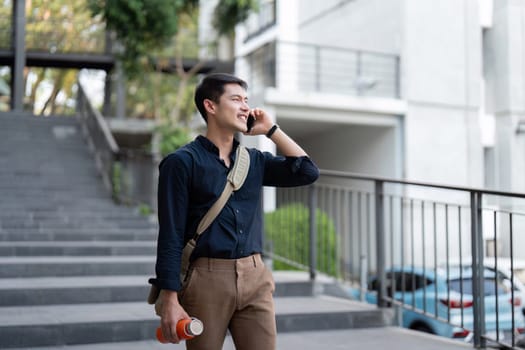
300, 67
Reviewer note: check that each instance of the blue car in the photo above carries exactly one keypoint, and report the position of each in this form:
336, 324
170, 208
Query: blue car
441, 303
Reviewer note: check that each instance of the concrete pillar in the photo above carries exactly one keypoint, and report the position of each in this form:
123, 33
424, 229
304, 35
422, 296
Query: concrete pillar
106, 109
120, 85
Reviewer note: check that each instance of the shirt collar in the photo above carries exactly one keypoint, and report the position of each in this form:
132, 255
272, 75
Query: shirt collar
210, 146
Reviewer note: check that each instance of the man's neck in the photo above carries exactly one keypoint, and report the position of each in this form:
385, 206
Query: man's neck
224, 143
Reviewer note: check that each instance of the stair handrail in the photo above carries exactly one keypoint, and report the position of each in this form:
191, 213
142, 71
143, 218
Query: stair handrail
99, 137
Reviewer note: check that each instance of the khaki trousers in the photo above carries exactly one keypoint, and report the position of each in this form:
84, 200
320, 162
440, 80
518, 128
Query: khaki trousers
234, 295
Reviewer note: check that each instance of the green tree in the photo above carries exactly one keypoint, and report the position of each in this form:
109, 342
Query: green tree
141, 26
159, 36
229, 13
58, 26
6, 9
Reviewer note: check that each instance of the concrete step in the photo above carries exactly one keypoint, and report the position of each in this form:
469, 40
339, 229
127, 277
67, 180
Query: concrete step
85, 234
58, 325
110, 214
73, 225
106, 209
64, 221
72, 290
55, 192
77, 248
11, 267
104, 289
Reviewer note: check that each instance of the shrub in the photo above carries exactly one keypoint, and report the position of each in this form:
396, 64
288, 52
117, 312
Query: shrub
172, 138
287, 230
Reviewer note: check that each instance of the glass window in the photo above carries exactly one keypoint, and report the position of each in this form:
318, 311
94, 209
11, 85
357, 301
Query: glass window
489, 286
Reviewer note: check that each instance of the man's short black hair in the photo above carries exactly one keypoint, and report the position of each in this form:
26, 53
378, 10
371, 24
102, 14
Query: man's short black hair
212, 88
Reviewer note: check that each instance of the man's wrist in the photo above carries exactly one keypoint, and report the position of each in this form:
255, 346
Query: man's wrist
272, 131
167, 293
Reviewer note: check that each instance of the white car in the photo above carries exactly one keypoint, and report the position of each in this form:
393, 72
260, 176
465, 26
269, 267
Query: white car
504, 267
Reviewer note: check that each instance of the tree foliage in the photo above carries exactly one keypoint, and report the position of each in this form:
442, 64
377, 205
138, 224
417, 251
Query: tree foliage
63, 26
57, 26
155, 36
144, 26
141, 26
229, 13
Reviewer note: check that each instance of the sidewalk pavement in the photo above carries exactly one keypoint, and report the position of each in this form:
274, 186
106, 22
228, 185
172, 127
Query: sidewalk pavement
391, 338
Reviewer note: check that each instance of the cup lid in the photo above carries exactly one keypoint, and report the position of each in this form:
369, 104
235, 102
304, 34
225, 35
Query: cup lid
196, 327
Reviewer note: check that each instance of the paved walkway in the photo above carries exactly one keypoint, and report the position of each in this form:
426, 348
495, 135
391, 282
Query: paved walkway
391, 338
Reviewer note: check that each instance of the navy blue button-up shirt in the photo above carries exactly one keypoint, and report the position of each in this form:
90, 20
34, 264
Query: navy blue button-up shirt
191, 179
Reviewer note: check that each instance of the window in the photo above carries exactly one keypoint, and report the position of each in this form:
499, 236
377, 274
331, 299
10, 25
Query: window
489, 286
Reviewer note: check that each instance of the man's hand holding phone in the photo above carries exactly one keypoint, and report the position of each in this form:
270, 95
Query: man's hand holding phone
258, 122
250, 122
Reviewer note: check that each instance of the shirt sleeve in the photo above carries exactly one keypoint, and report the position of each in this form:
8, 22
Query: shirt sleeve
289, 171
173, 189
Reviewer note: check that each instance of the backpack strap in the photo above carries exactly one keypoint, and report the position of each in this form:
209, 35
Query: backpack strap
235, 180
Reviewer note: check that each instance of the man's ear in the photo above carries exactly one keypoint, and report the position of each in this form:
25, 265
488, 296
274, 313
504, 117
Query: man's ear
209, 105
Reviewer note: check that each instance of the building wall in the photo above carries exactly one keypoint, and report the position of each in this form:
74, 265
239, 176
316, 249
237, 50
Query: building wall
504, 71
368, 149
372, 25
441, 65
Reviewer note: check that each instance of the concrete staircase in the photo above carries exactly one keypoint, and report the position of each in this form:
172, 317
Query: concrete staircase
74, 266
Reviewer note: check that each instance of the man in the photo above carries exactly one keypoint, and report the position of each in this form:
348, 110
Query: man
227, 287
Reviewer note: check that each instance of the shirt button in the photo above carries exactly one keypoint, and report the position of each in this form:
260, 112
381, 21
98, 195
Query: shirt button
240, 231
237, 211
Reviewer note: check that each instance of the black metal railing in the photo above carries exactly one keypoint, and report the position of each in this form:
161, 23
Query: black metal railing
371, 233
315, 68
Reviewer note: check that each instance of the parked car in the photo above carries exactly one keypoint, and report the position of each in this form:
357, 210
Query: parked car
504, 268
440, 303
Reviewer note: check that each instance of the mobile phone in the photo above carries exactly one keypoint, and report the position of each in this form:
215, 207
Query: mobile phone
249, 122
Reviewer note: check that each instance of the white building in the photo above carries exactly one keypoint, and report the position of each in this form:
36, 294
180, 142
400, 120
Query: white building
423, 90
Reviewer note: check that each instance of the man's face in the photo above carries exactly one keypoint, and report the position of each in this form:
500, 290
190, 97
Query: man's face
233, 109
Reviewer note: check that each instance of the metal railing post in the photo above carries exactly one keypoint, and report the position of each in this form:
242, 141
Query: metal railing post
313, 231
477, 270
380, 242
